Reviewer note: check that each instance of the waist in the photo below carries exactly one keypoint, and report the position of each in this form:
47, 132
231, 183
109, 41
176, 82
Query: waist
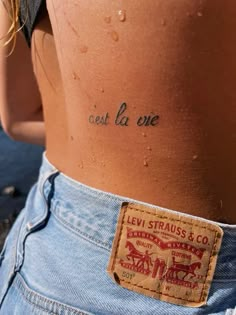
189, 185
93, 214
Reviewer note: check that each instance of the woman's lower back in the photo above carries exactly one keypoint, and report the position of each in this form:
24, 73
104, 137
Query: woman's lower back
140, 101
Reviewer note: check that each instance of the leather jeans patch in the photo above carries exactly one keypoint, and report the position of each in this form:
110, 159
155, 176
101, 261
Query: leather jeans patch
165, 255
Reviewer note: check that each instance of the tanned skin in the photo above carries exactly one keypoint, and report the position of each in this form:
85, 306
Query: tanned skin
102, 66
20, 104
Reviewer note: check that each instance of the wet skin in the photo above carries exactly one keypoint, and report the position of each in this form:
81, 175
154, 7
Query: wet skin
173, 65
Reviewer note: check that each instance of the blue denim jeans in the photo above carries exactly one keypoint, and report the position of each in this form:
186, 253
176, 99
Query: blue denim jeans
55, 258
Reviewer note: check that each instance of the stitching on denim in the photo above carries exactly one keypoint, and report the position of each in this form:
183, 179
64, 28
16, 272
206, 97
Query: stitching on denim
82, 234
19, 241
160, 216
37, 306
27, 293
22, 288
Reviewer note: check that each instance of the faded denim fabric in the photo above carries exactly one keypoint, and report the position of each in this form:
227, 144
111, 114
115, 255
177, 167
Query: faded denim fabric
55, 258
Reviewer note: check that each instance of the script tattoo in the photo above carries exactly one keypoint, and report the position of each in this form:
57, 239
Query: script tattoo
122, 119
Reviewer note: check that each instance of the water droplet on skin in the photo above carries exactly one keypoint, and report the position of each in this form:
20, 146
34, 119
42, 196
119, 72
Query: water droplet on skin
163, 22
195, 157
199, 14
145, 163
144, 134
107, 19
115, 36
149, 148
81, 165
122, 15
75, 76
102, 90
83, 49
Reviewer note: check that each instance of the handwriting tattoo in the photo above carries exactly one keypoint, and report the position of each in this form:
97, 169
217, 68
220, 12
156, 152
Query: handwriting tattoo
122, 119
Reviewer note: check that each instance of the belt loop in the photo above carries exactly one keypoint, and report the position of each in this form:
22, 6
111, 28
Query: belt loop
50, 177
51, 180
48, 198
38, 219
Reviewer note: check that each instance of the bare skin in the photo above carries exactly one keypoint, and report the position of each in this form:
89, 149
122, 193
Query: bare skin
20, 102
171, 59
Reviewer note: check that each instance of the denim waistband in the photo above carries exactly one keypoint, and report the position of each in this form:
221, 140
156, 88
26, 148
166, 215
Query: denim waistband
93, 214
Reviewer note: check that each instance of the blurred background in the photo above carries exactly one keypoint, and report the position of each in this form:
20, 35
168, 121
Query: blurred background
19, 166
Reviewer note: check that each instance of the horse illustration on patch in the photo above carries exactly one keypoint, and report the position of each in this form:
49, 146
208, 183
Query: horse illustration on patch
142, 262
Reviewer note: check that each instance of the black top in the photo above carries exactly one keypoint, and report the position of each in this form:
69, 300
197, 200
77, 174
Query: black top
29, 14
